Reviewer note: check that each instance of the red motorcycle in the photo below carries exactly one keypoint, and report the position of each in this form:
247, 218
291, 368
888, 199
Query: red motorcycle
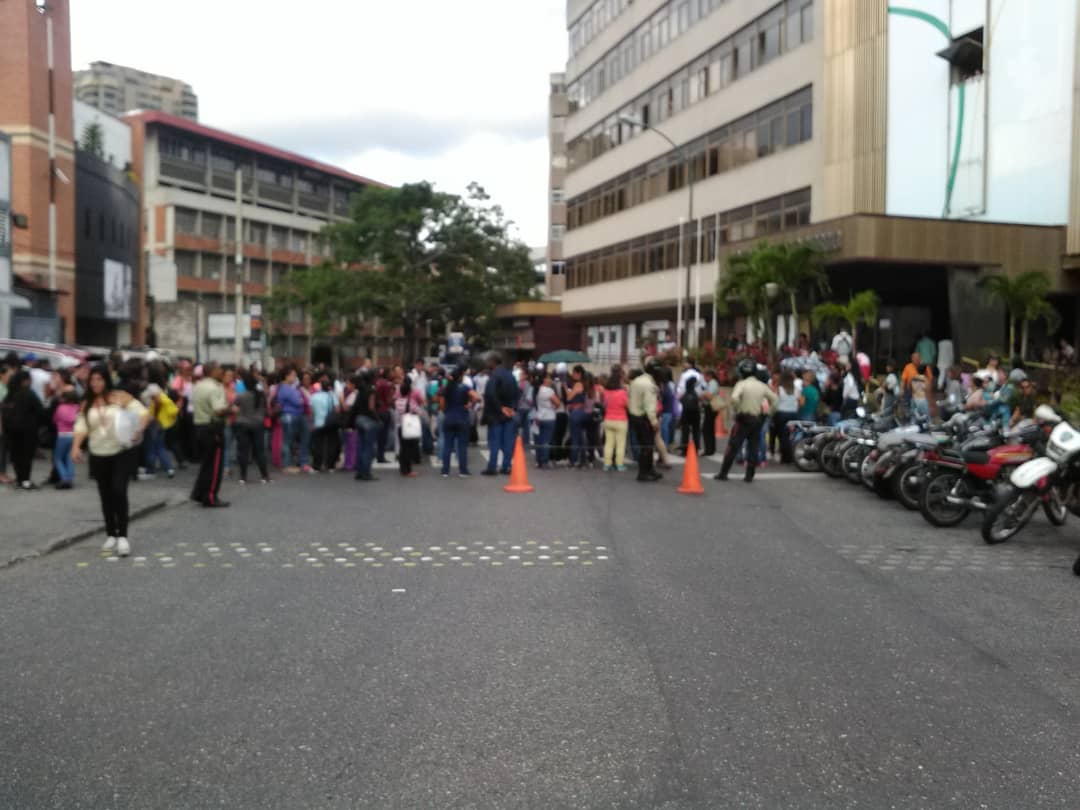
966, 480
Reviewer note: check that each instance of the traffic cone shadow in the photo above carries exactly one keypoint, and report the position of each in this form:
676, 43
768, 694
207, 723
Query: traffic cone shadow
519, 474
691, 479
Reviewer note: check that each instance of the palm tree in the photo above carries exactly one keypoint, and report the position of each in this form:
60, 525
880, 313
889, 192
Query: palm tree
799, 267
749, 278
1024, 299
861, 308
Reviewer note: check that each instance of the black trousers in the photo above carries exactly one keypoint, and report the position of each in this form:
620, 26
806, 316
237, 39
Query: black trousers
780, 430
747, 429
325, 447
249, 442
211, 440
22, 445
385, 426
691, 429
708, 429
408, 453
643, 434
112, 474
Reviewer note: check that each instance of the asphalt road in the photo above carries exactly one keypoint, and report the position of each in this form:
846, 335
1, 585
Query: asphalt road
597, 644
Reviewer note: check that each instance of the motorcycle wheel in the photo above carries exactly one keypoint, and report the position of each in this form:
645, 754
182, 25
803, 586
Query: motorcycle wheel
907, 484
1008, 515
938, 511
830, 459
805, 460
1054, 507
866, 471
852, 462
1076, 567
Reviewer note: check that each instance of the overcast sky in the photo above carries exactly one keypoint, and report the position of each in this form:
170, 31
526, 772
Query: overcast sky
397, 90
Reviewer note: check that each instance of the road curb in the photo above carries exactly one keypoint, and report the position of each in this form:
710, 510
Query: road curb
66, 540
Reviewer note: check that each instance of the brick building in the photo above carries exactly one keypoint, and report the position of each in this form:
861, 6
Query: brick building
36, 112
198, 183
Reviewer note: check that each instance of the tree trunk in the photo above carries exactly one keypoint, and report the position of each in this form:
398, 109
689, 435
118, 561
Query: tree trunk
795, 320
1012, 335
1024, 338
854, 337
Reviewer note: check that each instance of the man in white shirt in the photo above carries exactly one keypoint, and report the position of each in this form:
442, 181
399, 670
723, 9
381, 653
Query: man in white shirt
842, 343
690, 372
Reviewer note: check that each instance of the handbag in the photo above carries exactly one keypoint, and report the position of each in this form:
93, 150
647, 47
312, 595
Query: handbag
125, 425
410, 426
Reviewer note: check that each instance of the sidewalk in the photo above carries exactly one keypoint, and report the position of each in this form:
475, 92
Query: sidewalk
35, 523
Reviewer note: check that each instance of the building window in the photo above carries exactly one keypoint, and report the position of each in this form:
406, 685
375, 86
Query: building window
211, 265
211, 225
556, 195
558, 268
185, 264
557, 232
186, 221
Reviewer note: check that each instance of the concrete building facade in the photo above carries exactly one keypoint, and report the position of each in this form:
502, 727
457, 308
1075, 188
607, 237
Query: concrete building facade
898, 138
116, 89
224, 219
36, 113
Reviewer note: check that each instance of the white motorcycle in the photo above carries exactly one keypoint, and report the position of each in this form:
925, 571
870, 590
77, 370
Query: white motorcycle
1052, 480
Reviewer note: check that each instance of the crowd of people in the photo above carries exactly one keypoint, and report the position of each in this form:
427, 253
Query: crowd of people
139, 420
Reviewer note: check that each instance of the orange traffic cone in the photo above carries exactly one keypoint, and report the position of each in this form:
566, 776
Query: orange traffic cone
519, 475
721, 431
691, 479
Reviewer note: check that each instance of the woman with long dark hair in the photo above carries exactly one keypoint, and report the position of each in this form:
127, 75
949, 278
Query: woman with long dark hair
113, 421
22, 415
250, 427
456, 399
408, 401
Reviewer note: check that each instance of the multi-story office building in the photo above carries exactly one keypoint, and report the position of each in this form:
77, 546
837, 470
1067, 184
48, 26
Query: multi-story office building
116, 89
920, 144
210, 198
36, 113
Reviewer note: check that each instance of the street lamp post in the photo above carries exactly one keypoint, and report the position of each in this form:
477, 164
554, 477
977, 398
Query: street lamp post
691, 334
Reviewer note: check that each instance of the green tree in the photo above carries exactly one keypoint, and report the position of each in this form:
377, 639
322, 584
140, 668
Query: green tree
93, 139
861, 308
1024, 299
429, 258
748, 279
798, 267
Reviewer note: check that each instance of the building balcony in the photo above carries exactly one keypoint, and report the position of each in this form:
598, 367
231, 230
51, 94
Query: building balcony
271, 193
314, 203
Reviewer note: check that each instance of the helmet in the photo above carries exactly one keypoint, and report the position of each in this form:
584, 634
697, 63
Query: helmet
560, 368
1017, 375
745, 368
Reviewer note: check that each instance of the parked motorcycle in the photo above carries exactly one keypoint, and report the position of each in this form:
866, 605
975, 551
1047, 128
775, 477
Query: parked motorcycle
968, 480
1052, 481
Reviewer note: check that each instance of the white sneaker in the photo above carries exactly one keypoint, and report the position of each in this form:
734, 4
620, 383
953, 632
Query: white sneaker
123, 548
146, 476
110, 544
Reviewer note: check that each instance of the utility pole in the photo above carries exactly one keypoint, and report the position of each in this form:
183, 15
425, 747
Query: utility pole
239, 288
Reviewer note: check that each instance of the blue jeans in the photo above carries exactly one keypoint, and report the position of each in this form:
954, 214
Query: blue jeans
543, 442
227, 454
367, 438
65, 467
155, 449
522, 425
426, 440
500, 437
667, 428
295, 428
455, 438
578, 420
